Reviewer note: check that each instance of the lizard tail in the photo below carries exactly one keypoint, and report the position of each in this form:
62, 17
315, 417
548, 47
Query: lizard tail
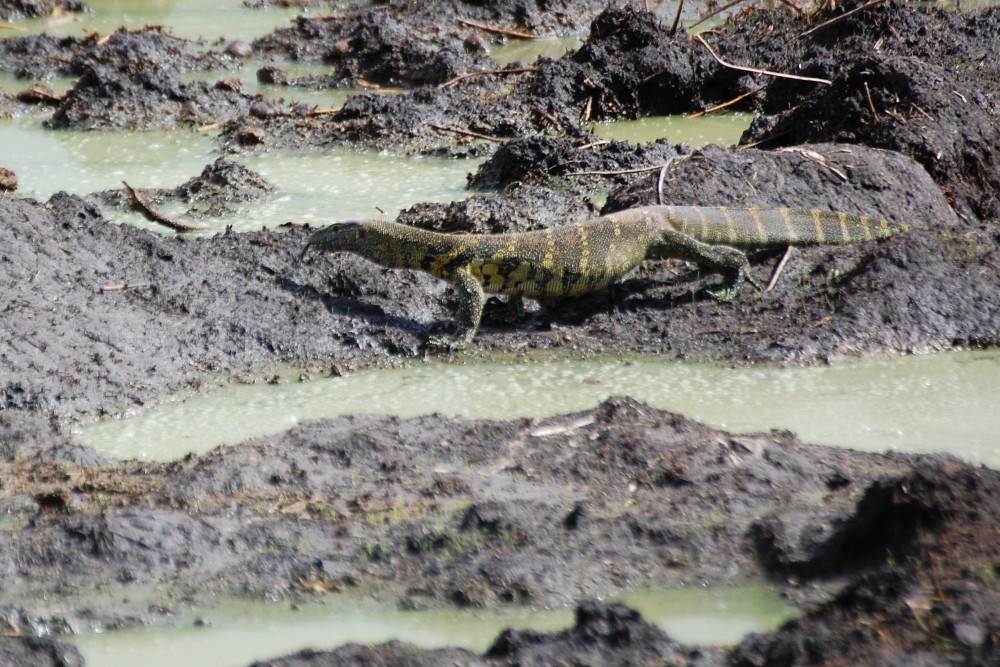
778, 226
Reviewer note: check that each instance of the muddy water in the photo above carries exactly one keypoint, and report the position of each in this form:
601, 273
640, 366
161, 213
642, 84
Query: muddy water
239, 634
719, 129
184, 18
318, 188
945, 402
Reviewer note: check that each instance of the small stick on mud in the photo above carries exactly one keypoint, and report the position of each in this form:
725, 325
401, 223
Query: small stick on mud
117, 287
617, 172
595, 144
7, 26
871, 105
843, 16
151, 214
486, 72
778, 269
719, 107
677, 17
754, 70
502, 31
322, 112
466, 133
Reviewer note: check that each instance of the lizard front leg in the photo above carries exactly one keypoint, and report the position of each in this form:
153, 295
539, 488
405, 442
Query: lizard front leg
730, 262
471, 300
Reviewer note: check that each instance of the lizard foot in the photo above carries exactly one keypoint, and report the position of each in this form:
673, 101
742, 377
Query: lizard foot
731, 287
444, 344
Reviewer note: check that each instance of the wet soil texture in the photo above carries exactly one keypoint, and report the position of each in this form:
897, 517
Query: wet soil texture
894, 557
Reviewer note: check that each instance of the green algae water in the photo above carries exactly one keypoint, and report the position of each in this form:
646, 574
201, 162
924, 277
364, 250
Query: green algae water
236, 635
927, 403
698, 131
191, 19
318, 188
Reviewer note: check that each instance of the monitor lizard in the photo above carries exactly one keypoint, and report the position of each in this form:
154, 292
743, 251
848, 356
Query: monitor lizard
587, 256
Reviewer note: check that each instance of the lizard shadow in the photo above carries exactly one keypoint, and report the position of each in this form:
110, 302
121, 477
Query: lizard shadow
630, 295
351, 306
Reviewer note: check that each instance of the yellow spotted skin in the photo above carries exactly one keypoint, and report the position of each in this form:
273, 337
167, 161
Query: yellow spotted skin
588, 256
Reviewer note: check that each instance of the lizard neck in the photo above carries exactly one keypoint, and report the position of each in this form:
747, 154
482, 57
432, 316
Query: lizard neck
390, 244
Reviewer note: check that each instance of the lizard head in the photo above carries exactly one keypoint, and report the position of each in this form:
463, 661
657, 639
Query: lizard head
339, 236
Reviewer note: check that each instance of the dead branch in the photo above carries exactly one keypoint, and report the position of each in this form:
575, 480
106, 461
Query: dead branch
117, 287
618, 172
677, 17
151, 214
754, 70
466, 133
502, 31
719, 107
462, 77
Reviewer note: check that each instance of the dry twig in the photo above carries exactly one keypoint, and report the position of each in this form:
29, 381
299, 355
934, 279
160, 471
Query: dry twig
617, 172
501, 31
778, 269
466, 133
754, 70
718, 107
462, 77
151, 214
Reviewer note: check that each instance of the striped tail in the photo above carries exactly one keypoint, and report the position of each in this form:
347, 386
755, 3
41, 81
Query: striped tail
775, 226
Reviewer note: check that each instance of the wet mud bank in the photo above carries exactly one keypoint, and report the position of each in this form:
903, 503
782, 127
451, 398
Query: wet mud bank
433, 511
893, 557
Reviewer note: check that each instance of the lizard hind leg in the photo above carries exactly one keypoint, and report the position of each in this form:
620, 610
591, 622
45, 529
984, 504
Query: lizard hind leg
730, 262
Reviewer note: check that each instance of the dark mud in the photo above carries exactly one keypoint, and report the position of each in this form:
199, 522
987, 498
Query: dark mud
15, 10
893, 557
476, 513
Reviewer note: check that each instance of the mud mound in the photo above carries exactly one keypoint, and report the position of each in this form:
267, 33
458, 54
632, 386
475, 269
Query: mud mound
133, 82
44, 56
868, 283
16, 10
578, 512
906, 105
155, 312
838, 177
906, 524
570, 164
372, 47
520, 208
222, 189
604, 634
629, 65
36, 652
428, 121
624, 495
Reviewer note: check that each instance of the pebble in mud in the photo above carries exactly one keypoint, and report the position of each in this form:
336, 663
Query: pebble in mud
239, 49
